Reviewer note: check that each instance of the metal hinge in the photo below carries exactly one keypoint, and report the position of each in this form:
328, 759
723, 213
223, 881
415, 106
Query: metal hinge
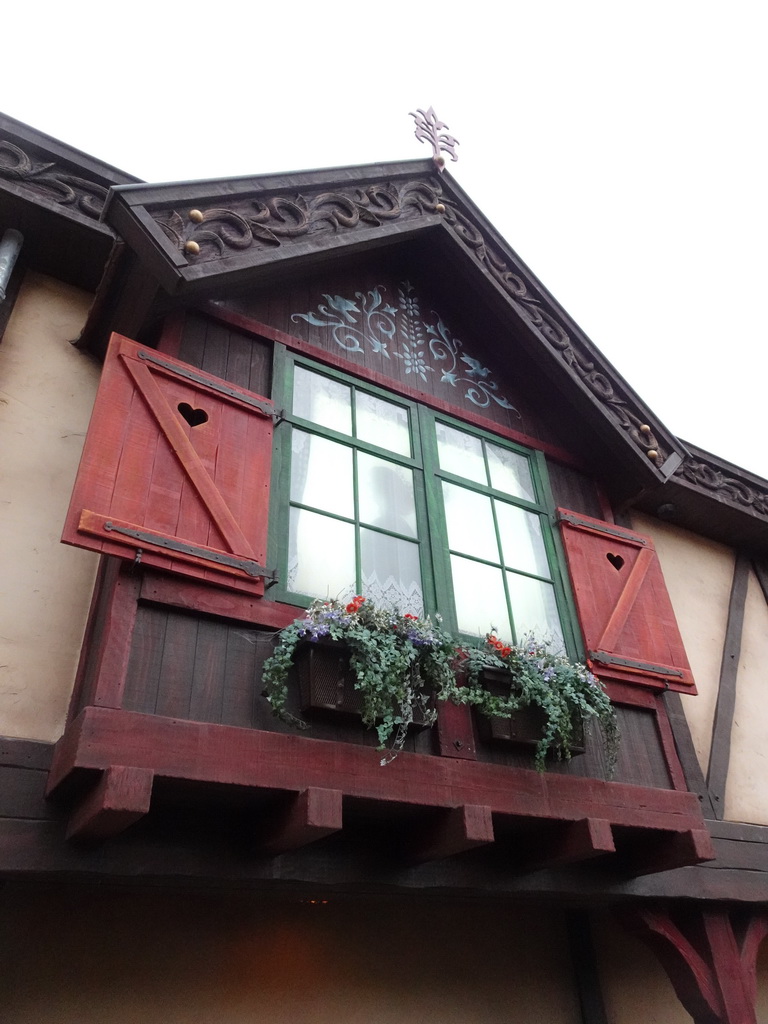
612, 659
267, 408
613, 531
246, 565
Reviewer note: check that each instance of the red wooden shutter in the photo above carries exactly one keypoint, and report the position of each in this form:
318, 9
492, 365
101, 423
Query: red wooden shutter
624, 608
176, 465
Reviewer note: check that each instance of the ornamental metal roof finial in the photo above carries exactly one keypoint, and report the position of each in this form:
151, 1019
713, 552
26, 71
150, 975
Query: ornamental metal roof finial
430, 129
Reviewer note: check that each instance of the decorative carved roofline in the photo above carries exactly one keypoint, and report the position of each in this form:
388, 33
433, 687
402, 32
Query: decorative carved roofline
259, 221
49, 170
51, 181
213, 233
54, 195
725, 482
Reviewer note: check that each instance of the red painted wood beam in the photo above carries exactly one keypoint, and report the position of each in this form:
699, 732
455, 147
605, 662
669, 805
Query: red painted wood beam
101, 737
453, 831
751, 939
306, 817
709, 965
574, 841
455, 730
122, 796
213, 600
665, 851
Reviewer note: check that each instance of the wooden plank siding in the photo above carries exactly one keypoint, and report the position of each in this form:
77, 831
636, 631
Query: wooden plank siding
222, 350
394, 356
206, 669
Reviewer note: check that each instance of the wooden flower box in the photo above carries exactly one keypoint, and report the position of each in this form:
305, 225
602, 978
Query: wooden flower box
327, 682
524, 728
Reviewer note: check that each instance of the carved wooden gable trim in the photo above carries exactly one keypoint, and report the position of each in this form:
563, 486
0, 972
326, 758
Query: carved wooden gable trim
199, 235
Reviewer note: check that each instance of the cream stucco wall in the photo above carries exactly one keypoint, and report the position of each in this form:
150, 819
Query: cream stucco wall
46, 394
698, 573
74, 957
746, 792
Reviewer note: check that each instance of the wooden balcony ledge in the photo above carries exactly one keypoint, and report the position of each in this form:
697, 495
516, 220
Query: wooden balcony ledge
106, 762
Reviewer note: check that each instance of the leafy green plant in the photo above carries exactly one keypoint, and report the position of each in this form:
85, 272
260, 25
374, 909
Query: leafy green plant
402, 664
537, 675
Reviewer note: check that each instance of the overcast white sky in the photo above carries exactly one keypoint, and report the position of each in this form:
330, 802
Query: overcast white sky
620, 147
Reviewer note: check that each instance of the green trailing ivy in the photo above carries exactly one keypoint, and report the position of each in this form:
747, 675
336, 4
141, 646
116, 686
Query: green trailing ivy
402, 664
536, 675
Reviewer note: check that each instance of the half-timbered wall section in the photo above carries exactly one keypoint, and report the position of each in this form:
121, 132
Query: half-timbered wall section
721, 604
327, 384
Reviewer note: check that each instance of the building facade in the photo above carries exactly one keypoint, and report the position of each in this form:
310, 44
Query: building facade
232, 397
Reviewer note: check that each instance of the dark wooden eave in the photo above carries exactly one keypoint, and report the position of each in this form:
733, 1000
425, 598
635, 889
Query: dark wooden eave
203, 239
715, 498
54, 195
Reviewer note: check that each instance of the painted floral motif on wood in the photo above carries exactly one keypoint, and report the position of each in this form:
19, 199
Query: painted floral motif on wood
401, 331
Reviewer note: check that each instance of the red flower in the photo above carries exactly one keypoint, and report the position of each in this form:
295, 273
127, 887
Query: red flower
506, 651
409, 616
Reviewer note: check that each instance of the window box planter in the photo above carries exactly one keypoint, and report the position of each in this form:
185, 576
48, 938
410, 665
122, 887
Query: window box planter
525, 727
390, 668
327, 682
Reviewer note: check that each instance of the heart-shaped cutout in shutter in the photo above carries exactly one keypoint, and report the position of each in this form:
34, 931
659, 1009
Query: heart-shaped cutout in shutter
194, 417
616, 561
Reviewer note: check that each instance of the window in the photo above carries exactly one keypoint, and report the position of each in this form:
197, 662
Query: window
412, 508
355, 495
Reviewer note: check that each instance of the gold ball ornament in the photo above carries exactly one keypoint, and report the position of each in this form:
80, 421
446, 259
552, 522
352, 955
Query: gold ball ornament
645, 429
196, 216
440, 208
652, 454
192, 248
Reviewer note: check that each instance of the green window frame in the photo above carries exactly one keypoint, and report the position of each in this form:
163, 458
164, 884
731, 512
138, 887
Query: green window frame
502, 487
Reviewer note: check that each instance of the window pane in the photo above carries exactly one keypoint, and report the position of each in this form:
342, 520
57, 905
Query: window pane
479, 594
510, 472
322, 400
386, 494
391, 572
321, 556
521, 539
382, 423
321, 473
460, 453
534, 609
469, 520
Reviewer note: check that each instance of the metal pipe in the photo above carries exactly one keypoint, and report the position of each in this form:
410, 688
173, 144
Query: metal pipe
10, 247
